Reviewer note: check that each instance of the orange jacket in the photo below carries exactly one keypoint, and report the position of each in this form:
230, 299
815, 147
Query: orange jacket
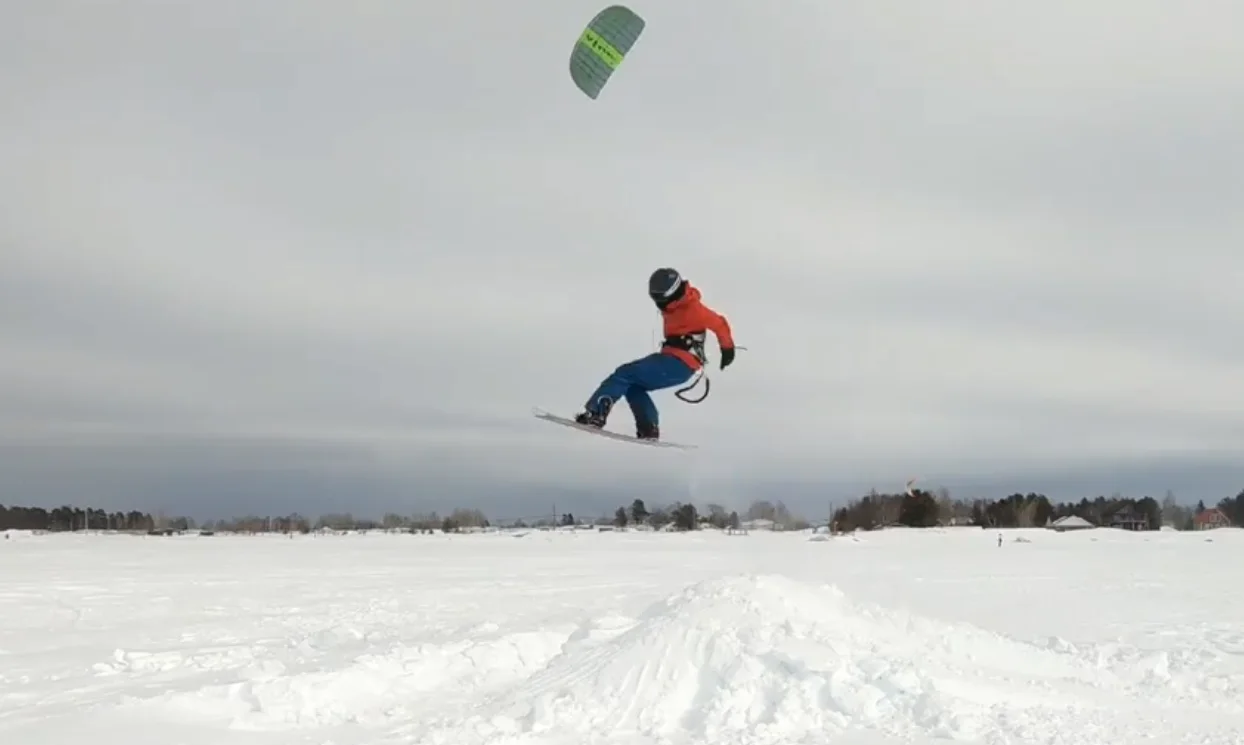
688, 316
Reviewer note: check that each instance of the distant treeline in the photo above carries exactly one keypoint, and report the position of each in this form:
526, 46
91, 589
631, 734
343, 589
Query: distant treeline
72, 518
683, 516
920, 509
875, 510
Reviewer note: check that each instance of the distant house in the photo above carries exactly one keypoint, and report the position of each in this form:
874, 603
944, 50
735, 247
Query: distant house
1129, 519
759, 524
1210, 519
1070, 522
958, 522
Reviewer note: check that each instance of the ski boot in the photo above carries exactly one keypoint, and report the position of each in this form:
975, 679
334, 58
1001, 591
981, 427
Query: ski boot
595, 419
647, 432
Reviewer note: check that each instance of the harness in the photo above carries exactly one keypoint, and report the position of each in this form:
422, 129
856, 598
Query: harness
693, 343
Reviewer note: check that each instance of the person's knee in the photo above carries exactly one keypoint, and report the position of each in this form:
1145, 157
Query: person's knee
626, 371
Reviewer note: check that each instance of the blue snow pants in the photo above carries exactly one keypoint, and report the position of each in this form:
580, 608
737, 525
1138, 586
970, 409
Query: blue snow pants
635, 379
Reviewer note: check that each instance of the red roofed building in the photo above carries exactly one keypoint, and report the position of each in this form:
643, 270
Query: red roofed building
1210, 519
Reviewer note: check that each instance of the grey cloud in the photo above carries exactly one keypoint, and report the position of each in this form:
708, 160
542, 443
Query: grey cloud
218, 477
954, 242
221, 476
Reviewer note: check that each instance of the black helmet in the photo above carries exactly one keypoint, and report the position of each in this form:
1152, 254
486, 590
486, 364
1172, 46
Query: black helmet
665, 286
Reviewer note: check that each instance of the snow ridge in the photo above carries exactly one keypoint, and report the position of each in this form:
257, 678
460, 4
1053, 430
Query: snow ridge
688, 648
768, 659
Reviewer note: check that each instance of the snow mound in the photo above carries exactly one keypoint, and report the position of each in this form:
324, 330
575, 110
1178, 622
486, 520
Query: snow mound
773, 659
371, 688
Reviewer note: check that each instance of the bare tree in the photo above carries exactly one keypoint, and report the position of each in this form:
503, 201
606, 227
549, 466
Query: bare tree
761, 509
945, 506
1025, 514
887, 507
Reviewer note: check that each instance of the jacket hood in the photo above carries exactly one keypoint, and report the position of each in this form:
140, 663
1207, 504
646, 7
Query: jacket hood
690, 294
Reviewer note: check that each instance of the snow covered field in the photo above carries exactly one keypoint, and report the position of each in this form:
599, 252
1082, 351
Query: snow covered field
561, 638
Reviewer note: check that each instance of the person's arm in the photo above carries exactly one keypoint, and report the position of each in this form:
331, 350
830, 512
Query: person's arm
717, 323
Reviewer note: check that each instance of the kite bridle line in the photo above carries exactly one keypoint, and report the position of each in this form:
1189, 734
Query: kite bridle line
700, 375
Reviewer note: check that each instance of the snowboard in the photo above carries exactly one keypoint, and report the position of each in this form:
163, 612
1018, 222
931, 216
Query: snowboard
565, 422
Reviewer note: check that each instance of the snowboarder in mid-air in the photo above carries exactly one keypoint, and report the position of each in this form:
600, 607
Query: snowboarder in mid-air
686, 320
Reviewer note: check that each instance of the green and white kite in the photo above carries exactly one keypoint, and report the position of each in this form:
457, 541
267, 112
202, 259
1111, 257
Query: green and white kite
603, 45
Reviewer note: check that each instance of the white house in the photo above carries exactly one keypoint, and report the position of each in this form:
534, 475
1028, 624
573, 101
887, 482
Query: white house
1070, 522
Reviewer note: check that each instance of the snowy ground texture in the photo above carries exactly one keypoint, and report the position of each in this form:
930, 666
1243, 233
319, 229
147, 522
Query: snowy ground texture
592, 638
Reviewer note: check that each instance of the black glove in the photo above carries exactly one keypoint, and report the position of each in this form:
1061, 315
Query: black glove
727, 356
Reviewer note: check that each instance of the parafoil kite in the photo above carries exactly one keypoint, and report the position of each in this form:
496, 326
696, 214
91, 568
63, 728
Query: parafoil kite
602, 47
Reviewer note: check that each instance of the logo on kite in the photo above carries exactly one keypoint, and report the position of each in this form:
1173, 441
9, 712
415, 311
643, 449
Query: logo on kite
602, 47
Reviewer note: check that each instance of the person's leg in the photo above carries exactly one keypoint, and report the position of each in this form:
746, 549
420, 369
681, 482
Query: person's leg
633, 380
645, 411
653, 373
600, 403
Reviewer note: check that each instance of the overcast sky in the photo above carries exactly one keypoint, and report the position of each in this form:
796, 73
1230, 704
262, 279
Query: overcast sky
299, 254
